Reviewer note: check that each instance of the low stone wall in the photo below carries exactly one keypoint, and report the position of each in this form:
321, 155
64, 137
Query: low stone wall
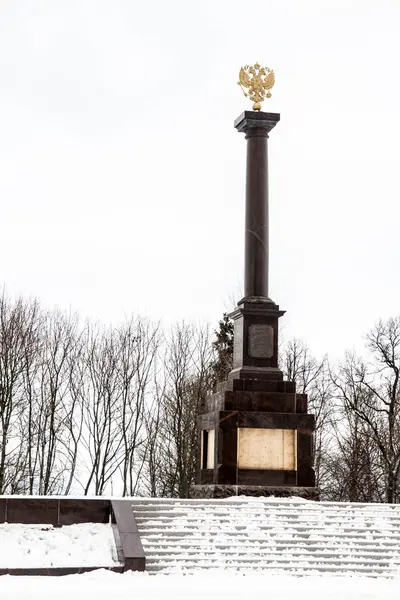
54, 511
30, 510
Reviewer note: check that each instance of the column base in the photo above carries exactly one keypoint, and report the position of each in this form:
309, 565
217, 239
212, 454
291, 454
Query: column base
227, 491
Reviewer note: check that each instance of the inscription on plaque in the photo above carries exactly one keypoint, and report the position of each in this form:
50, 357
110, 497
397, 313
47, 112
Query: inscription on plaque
261, 341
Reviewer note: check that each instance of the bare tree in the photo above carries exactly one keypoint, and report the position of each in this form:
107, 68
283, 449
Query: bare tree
19, 323
50, 409
100, 396
139, 342
370, 391
117, 372
312, 377
188, 378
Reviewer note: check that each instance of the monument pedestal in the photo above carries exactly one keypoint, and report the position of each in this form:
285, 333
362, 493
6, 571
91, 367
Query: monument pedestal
256, 439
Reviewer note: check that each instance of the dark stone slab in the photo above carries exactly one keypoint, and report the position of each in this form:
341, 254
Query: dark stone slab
301, 403
305, 472
289, 387
261, 385
256, 373
226, 491
215, 402
238, 342
222, 386
32, 510
304, 445
2, 510
228, 450
228, 419
219, 440
268, 477
260, 401
84, 511
54, 571
209, 420
225, 475
306, 475
126, 535
122, 515
207, 476
132, 548
275, 420
250, 119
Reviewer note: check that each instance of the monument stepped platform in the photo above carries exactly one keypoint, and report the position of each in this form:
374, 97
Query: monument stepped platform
278, 536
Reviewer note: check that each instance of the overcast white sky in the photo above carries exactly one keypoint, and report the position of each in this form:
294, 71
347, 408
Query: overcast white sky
122, 177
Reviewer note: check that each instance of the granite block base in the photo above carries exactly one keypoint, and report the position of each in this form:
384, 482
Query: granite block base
227, 491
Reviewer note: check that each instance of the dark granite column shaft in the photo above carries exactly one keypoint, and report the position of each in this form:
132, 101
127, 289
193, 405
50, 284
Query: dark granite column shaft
256, 126
256, 227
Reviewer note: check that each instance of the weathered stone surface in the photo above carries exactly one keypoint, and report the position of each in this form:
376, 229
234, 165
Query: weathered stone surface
126, 535
238, 343
305, 472
87, 510
260, 401
268, 449
275, 420
262, 385
207, 476
262, 477
2, 510
226, 491
261, 340
32, 510
301, 403
215, 401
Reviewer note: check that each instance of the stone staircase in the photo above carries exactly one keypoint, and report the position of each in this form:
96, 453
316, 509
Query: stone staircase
287, 536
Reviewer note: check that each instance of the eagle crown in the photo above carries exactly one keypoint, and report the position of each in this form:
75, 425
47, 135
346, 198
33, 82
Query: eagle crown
258, 81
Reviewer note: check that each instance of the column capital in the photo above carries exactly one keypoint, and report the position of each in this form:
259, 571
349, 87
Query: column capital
256, 124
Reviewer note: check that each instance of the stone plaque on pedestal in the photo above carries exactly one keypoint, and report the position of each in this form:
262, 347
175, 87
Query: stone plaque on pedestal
272, 449
261, 341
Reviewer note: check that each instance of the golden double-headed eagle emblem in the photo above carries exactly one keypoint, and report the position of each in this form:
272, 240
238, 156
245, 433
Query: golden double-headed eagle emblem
258, 81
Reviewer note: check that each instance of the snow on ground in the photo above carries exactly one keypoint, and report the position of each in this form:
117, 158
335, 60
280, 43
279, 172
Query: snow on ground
104, 585
86, 544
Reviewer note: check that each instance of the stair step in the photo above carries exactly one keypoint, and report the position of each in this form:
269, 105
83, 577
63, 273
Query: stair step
270, 501
284, 515
276, 567
265, 512
243, 520
299, 531
277, 559
236, 507
267, 553
311, 507
232, 539
279, 546
269, 535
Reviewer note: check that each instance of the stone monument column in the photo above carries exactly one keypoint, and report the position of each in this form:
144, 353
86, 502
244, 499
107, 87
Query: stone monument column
256, 127
256, 318
256, 437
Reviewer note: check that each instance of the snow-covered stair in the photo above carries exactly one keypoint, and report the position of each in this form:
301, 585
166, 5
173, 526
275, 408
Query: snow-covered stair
275, 535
